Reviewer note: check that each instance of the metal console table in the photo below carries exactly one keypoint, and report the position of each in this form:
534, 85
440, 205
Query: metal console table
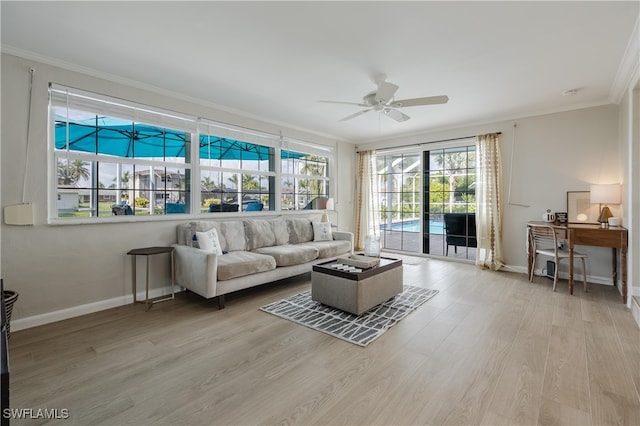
149, 251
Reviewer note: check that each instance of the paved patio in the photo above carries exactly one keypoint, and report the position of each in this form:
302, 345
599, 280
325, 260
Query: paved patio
410, 242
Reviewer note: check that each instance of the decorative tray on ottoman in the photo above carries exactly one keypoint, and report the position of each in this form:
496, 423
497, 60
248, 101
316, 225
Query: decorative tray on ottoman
359, 261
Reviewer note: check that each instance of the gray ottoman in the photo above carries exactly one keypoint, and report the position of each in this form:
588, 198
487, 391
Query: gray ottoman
356, 292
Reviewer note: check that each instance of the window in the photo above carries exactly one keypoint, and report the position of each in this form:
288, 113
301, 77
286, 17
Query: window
111, 158
305, 180
235, 175
115, 158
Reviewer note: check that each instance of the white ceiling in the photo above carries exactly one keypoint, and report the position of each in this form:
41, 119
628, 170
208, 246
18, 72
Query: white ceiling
274, 60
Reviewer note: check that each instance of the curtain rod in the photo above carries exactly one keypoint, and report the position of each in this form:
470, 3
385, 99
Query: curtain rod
417, 145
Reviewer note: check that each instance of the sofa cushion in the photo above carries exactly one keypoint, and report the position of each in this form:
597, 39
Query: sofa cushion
241, 263
280, 230
300, 230
289, 254
330, 248
322, 231
259, 233
234, 235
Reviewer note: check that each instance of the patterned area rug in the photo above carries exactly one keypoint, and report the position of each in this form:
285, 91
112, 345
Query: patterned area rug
357, 329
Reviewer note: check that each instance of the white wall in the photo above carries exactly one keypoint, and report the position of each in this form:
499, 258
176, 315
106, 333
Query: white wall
630, 157
57, 269
554, 153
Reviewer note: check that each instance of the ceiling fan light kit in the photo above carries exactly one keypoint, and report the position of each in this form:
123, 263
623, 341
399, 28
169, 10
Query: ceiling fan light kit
382, 101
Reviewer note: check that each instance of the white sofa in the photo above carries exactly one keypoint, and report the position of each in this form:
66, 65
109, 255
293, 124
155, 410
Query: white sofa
256, 251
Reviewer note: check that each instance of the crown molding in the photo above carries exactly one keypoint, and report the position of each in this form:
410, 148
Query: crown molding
629, 69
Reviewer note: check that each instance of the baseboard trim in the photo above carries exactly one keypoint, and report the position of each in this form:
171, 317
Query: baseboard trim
89, 308
635, 309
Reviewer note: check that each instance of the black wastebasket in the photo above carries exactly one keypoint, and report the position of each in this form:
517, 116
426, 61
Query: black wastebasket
10, 298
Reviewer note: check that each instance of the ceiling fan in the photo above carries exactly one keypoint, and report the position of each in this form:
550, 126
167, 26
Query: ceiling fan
382, 101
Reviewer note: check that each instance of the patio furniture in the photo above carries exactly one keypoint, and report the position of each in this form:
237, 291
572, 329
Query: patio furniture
254, 206
460, 230
175, 208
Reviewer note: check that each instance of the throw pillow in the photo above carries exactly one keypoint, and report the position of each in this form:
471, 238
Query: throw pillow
208, 241
322, 231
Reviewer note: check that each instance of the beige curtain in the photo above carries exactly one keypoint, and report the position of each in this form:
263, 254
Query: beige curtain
366, 220
489, 202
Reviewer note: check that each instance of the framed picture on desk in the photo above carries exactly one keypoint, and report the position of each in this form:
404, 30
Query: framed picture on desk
580, 209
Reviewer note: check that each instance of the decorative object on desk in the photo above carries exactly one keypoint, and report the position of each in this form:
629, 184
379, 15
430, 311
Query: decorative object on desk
357, 329
561, 217
580, 209
548, 216
605, 194
614, 221
360, 261
372, 245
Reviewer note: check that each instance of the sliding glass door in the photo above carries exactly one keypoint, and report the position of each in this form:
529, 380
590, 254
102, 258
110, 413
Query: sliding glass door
449, 202
427, 201
399, 200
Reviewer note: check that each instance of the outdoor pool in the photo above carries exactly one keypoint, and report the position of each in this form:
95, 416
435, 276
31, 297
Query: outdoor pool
413, 225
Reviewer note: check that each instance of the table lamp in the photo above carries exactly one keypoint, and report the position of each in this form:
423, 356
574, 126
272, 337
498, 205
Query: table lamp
328, 206
605, 194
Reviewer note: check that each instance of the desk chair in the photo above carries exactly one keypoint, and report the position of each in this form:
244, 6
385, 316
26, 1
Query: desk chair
544, 240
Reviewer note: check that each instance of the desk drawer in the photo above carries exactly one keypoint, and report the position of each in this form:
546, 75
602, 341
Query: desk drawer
605, 237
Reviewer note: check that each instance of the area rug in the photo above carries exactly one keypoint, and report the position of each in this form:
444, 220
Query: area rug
357, 329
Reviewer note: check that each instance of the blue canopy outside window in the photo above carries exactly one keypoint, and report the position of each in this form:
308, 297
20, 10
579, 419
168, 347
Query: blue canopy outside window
108, 136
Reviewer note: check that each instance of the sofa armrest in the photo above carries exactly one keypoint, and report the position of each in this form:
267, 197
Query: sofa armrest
196, 270
344, 235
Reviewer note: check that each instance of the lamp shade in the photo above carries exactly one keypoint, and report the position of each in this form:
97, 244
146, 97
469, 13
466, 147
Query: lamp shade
330, 204
605, 194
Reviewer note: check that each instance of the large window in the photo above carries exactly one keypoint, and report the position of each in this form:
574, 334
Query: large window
111, 157
107, 162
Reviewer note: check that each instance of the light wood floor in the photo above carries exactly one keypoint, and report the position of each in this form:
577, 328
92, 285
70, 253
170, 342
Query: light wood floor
490, 348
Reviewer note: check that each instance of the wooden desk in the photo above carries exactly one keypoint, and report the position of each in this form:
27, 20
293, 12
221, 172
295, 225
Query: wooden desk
592, 235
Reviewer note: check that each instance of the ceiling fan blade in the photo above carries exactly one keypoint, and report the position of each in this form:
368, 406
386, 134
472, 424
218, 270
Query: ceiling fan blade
429, 100
396, 115
343, 103
385, 92
357, 114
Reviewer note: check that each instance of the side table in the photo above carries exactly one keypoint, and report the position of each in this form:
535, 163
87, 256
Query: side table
149, 251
